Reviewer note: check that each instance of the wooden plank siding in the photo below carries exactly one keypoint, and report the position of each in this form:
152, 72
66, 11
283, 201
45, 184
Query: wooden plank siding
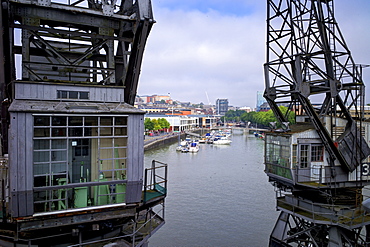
37, 91
135, 148
20, 164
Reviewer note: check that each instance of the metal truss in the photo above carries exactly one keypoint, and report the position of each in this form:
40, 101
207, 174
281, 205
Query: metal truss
73, 42
84, 41
307, 60
310, 69
295, 231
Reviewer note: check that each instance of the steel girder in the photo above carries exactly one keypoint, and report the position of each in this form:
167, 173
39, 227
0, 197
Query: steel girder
295, 231
73, 42
85, 42
308, 59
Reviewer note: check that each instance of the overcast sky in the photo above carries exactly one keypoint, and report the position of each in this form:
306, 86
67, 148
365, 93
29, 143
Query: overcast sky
217, 48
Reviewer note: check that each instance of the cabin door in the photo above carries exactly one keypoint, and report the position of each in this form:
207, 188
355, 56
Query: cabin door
311, 156
304, 165
81, 160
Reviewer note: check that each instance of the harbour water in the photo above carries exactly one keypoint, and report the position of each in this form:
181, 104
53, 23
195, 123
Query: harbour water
219, 196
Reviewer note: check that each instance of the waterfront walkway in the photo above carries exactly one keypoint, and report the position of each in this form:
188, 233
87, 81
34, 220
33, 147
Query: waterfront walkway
154, 141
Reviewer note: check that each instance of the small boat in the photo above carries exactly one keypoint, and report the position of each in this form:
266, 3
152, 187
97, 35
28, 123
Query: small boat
203, 140
185, 142
222, 141
193, 147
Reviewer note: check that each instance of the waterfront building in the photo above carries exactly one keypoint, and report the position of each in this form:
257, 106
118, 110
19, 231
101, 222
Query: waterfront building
222, 106
178, 122
245, 108
264, 107
154, 99
260, 100
207, 121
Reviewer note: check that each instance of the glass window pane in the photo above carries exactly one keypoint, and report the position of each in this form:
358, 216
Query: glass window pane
120, 142
59, 167
73, 95
59, 121
75, 132
120, 131
58, 132
106, 153
39, 169
40, 181
120, 169
106, 165
41, 121
74, 121
41, 156
120, 121
91, 121
58, 144
84, 95
61, 94
106, 121
38, 132
106, 131
90, 131
58, 155
120, 153
41, 144
106, 142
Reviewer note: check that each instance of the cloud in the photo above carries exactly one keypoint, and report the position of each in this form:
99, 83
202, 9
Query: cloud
190, 53
194, 49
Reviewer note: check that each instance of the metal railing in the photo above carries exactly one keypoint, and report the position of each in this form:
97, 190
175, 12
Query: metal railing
347, 217
155, 181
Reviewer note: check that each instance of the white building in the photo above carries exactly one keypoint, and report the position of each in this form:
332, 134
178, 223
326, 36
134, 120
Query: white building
177, 122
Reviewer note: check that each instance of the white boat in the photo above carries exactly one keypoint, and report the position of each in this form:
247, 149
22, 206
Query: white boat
185, 142
193, 147
203, 140
222, 141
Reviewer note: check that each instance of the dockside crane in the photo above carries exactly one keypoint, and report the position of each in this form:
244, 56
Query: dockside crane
318, 165
71, 150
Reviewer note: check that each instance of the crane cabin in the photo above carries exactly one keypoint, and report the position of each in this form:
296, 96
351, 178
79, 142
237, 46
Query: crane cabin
71, 142
298, 157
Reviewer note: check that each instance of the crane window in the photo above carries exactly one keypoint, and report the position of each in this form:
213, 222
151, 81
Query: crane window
317, 153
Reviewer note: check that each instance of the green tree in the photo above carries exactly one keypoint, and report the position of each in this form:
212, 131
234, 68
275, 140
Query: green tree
232, 116
164, 123
265, 118
156, 125
148, 124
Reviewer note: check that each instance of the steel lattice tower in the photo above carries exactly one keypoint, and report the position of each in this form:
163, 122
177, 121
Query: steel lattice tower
310, 69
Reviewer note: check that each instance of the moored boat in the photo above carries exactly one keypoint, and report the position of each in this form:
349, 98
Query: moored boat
193, 147
222, 141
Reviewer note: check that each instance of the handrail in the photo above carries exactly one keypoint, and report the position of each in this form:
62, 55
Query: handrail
346, 217
155, 180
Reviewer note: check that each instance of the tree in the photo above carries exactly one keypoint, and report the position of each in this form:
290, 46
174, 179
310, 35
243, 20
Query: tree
265, 118
148, 124
232, 116
156, 125
164, 123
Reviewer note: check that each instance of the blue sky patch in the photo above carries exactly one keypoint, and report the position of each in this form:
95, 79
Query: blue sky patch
237, 8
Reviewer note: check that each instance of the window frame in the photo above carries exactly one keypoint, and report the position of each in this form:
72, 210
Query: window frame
44, 145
